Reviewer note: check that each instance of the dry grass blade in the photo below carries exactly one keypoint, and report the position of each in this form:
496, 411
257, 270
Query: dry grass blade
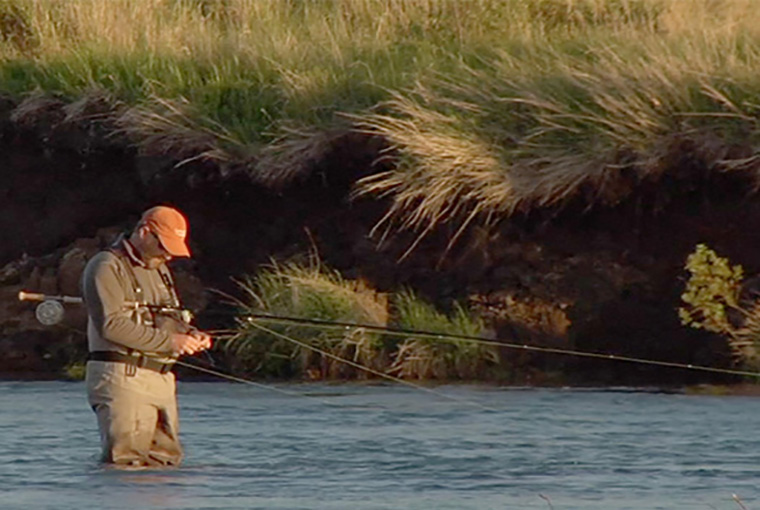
166, 127
97, 104
442, 174
291, 156
36, 108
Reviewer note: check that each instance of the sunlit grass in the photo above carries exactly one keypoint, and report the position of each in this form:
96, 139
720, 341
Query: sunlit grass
425, 357
249, 64
531, 129
494, 105
313, 292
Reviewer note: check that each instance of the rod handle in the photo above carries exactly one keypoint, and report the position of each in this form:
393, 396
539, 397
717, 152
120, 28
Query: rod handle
34, 296
30, 296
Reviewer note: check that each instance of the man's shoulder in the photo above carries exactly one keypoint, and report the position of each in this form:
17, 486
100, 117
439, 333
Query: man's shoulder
102, 260
104, 256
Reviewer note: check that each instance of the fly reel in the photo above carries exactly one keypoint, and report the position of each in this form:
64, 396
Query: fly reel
49, 312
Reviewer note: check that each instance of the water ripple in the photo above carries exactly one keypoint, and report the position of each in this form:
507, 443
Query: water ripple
388, 447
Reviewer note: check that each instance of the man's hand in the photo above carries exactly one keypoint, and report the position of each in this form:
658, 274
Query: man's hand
190, 344
205, 339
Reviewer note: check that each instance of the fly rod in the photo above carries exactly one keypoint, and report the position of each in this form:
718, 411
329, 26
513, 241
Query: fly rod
57, 300
251, 317
50, 311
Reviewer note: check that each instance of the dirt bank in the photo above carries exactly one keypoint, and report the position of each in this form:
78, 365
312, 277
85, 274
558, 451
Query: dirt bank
581, 276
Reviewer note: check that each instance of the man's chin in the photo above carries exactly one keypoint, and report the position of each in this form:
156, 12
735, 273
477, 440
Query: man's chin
154, 263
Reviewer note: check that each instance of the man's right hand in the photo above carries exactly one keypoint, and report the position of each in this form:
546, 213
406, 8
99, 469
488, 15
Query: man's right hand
187, 344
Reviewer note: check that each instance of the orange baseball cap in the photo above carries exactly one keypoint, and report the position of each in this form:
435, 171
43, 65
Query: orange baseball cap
171, 228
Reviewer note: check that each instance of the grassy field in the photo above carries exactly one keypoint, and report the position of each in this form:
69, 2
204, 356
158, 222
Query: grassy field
494, 105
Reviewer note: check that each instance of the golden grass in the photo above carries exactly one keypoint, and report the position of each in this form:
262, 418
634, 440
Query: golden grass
530, 131
494, 105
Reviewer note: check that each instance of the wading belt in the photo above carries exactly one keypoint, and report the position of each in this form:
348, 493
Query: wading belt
133, 362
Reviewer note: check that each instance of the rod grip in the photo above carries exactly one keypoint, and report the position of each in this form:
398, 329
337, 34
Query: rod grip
34, 296
30, 296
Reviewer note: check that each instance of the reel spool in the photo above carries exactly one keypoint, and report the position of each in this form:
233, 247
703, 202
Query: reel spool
49, 312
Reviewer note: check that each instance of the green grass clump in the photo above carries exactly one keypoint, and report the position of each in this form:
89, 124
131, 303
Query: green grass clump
425, 357
314, 292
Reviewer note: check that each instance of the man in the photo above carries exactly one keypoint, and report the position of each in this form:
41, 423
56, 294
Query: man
133, 343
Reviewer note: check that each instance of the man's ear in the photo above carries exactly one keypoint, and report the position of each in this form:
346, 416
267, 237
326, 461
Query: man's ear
143, 231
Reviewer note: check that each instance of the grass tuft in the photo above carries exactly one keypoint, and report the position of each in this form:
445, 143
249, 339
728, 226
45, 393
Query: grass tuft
313, 292
169, 127
439, 358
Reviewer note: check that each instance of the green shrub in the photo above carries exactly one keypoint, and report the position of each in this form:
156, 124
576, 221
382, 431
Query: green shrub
75, 371
712, 302
712, 288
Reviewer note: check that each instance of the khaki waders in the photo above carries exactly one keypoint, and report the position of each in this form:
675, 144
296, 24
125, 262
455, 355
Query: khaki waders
137, 414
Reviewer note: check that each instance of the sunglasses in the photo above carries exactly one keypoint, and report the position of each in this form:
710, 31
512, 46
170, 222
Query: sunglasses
160, 244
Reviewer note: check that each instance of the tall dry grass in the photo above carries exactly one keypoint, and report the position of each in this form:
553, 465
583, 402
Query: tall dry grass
494, 105
529, 128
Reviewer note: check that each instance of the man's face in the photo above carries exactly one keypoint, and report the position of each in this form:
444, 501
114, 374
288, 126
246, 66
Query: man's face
152, 251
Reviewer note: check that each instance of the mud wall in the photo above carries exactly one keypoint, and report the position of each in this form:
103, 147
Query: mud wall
593, 278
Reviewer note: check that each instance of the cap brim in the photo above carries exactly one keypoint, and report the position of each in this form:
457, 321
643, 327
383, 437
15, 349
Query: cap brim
175, 246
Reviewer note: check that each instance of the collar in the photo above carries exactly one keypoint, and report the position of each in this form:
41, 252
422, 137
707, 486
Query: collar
131, 252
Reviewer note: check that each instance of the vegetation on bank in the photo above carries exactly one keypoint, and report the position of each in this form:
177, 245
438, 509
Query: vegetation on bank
493, 106
718, 299
285, 349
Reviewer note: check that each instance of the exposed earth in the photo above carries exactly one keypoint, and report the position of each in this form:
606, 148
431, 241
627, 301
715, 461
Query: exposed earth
602, 278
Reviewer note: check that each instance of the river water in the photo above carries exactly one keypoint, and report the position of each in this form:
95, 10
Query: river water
393, 447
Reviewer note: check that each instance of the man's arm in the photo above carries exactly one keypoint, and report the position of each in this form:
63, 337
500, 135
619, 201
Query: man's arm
104, 290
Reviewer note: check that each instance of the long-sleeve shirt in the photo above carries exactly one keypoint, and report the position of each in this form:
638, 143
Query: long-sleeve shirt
108, 290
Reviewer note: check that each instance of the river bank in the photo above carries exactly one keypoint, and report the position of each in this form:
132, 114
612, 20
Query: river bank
551, 184
606, 279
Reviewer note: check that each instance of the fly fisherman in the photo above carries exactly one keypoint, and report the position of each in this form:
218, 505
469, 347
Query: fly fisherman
133, 345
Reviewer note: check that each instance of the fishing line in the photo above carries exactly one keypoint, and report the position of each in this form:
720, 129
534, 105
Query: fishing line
241, 380
226, 376
498, 343
432, 335
365, 368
